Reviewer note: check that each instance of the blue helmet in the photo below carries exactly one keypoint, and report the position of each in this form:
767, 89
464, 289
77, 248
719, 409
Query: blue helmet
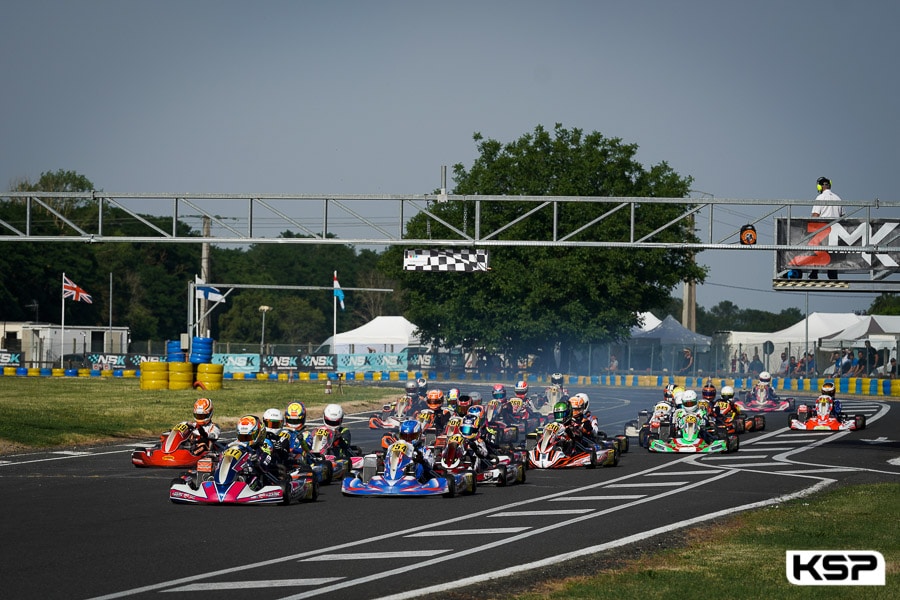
410, 431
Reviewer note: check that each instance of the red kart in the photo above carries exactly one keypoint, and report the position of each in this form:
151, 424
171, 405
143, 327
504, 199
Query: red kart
176, 449
821, 417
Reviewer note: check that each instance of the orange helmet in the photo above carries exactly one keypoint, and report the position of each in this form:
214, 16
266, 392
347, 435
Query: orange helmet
579, 403
434, 399
203, 410
709, 392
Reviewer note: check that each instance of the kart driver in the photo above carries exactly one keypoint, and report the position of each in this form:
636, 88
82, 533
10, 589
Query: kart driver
204, 433
690, 405
295, 427
582, 417
828, 390
411, 432
252, 435
333, 416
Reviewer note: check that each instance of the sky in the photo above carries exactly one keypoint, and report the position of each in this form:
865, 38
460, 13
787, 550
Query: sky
752, 100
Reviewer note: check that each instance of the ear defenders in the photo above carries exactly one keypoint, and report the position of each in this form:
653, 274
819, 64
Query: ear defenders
821, 183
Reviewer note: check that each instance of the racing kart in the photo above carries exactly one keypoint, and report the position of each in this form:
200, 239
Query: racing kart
504, 470
228, 478
526, 418
176, 449
808, 418
322, 458
398, 474
392, 414
758, 400
691, 438
736, 422
554, 450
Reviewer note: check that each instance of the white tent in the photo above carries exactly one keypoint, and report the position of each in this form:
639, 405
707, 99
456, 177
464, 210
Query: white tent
649, 320
381, 334
798, 337
881, 330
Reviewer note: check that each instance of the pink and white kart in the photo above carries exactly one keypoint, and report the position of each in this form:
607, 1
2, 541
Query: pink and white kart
763, 399
393, 414
505, 470
821, 417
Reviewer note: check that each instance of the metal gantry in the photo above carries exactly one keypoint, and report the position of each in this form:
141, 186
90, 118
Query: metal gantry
380, 220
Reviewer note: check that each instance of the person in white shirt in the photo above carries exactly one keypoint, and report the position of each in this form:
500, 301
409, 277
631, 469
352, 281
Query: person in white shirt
826, 211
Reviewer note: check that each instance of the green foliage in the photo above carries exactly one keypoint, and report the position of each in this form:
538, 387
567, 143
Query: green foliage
536, 297
886, 304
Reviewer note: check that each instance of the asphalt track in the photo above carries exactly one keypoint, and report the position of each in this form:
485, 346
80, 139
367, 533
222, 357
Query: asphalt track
85, 523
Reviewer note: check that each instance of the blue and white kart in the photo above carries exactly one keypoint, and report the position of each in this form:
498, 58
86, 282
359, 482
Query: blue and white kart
400, 475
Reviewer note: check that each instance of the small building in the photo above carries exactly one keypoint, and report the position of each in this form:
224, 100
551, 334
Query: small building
42, 344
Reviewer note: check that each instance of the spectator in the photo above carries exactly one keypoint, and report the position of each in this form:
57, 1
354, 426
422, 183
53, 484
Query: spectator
792, 365
687, 362
846, 362
891, 371
871, 360
836, 357
756, 366
743, 364
799, 367
811, 370
858, 367
783, 368
613, 363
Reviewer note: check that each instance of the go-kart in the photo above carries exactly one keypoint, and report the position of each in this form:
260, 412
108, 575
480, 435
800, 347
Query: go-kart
691, 437
322, 458
524, 417
553, 449
398, 474
817, 417
176, 449
392, 414
759, 400
736, 422
228, 478
503, 470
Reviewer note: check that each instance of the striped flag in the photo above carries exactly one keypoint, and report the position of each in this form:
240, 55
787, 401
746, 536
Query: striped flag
338, 292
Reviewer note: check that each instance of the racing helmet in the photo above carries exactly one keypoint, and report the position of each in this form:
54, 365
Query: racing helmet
669, 393
689, 401
727, 393
412, 389
333, 415
562, 411
476, 398
434, 399
203, 410
579, 404
499, 392
677, 394
249, 431
295, 416
765, 378
478, 413
828, 388
521, 388
708, 392
556, 379
469, 429
410, 431
452, 396
423, 384
462, 404
273, 420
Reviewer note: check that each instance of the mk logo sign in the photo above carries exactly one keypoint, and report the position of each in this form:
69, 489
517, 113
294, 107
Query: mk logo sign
835, 567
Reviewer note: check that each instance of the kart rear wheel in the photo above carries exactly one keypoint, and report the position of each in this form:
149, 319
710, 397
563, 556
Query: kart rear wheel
859, 421
593, 463
501, 475
623, 443
328, 477
314, 494
644, 438
759, 422
520, 474
733, 443
286, 493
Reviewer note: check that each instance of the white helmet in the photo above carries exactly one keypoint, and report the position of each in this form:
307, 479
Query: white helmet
273, 420
689, 401
333, 415
765, 378
727, 392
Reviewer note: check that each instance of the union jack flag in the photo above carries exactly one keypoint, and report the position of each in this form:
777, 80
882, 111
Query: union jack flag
70, 290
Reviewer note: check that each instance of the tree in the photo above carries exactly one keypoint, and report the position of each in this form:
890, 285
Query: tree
538, 298
885, 304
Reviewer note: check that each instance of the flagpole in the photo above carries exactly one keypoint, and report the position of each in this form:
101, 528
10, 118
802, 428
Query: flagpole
334, 301
62, 341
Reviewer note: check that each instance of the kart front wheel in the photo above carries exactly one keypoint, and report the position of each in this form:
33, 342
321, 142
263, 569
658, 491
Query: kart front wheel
859, 421
451, 488
501, 475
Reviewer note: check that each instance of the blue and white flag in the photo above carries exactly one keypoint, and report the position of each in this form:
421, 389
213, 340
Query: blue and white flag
207, 291
338, 292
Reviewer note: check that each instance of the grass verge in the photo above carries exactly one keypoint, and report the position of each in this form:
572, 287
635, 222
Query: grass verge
47, 412
744, 556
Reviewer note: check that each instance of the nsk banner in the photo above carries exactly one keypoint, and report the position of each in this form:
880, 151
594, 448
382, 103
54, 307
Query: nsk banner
851, 233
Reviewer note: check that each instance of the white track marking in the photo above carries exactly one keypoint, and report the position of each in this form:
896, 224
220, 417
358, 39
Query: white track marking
484, 531
252, 585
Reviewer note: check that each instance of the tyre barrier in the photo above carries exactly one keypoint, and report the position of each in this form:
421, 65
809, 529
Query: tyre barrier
181, 375
201, 350
174, 351
209, 376
154, 376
